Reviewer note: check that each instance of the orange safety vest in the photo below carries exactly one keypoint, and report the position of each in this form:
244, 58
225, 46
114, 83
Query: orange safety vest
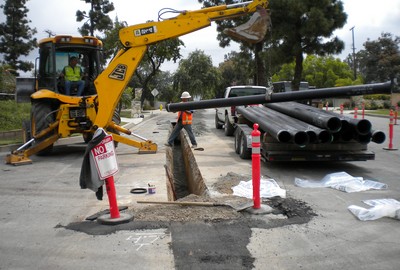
186, 118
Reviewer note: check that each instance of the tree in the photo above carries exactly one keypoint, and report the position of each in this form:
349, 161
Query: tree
164, 83
319, 71
7, 80
306, 27
197, 75
256, 63
16, 37
111, 42
235, 70
96, 17
155, 56
380, 61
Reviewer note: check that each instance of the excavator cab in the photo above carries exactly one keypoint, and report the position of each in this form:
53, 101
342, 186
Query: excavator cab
55, 54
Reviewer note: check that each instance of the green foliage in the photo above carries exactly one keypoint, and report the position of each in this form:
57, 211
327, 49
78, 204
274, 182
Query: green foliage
7, 80
306, 27
380, 61
13, 114
96, 18
149, 68
235, 70
126, 98
197, 75
164, 83
377, 97
319, 71
111, 42
16, 37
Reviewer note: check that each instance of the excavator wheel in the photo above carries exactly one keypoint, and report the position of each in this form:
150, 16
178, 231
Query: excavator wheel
41, 118
26, 130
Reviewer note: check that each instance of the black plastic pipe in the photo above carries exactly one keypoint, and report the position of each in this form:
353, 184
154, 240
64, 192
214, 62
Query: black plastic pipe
315, 134
308, 114
353, 90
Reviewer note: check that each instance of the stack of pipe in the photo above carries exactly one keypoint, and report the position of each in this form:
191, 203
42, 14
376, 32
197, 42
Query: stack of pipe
293, 122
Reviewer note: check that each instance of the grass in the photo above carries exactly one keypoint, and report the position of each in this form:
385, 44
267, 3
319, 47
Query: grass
13, 114
381, 112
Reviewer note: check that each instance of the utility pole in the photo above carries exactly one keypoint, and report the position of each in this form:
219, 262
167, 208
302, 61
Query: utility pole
354, 54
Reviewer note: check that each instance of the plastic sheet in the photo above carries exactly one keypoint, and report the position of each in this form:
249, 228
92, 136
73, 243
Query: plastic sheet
268, 188
341, 181
380, 208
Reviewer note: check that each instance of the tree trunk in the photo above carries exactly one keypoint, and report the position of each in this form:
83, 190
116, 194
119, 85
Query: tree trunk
260, 74
298, 70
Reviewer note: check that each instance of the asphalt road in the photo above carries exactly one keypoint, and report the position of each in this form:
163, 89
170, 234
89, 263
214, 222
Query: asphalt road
43, 211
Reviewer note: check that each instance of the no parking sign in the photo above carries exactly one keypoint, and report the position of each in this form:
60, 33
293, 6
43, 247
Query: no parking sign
105, 158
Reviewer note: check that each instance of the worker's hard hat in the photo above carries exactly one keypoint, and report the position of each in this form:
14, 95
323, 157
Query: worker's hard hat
185, 95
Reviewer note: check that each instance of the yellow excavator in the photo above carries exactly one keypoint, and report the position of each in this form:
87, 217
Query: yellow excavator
55, 115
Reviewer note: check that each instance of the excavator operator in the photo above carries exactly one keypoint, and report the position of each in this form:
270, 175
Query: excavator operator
73, 77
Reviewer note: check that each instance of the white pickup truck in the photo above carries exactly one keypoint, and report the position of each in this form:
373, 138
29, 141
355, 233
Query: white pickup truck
226, 116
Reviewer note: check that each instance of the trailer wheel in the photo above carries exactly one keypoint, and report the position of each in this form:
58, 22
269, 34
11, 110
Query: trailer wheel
41, 118
244, 152
238, 141
217, 123
229, 129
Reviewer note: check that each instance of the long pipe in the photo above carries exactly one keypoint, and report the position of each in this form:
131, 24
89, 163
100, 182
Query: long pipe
274, 127
315, 134
362, 126
354, 90
279, 134
307, 114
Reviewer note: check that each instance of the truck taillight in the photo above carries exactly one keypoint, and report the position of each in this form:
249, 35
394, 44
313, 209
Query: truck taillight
233, 110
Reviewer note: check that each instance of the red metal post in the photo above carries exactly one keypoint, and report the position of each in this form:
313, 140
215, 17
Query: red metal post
256, 164
112, 197
391, 130
341, 108
355, 112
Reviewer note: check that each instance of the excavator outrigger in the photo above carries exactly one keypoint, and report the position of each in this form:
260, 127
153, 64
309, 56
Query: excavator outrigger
55, 115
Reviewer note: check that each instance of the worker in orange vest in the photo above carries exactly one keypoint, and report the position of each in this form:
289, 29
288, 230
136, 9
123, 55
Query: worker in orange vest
184, 121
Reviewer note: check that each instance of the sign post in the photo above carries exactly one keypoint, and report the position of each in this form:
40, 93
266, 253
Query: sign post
106, 164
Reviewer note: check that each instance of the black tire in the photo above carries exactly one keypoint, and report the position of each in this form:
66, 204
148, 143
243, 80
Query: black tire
229, 129
26, 130
218, 125
41, 118
87, 137
238, 141
244, 152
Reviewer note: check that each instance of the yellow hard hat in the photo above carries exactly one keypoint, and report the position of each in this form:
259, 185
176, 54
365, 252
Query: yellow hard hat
185, 95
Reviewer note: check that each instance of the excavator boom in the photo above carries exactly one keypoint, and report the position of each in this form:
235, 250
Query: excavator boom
111, 83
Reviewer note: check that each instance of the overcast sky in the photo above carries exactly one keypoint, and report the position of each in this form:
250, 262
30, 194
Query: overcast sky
369, 17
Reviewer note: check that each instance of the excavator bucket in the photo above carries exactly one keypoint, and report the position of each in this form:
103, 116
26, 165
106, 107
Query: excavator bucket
254, 30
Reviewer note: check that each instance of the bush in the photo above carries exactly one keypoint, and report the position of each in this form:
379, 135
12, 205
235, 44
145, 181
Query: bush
387, 104
13, 114
377, 97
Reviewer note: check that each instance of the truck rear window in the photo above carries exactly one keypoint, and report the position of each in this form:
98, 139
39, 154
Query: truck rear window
240, 92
